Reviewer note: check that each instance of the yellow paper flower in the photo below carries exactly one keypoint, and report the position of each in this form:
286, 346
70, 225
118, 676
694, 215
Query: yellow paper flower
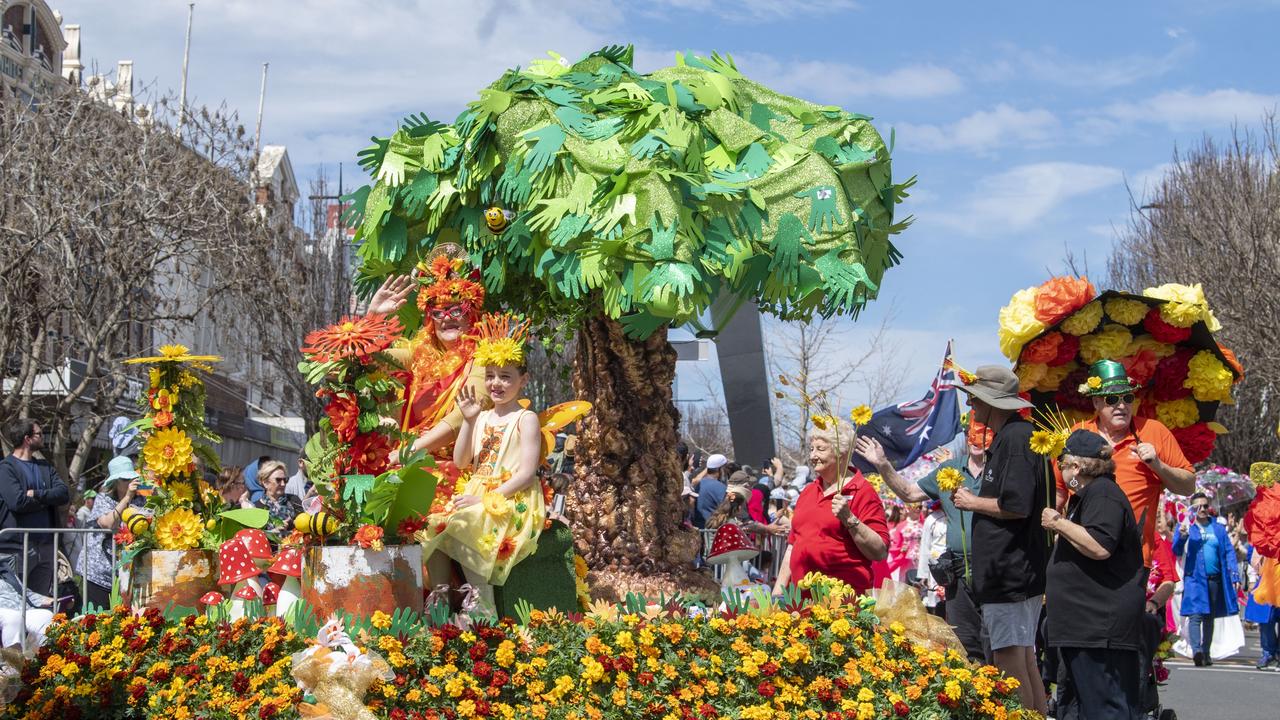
950, 480
1106, 344
167, 452
1094, 382
181, 491
174, 353
1053, 377
1084, 320
1146, 342
1208, 378
876, 481
861, 415
1185, 307
178, 529
496, 504
1018, 323
1178, 413
1030, 374
1046, 442
154, 376
1126, 311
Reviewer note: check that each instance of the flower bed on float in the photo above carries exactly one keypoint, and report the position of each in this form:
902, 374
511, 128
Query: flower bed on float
823, 658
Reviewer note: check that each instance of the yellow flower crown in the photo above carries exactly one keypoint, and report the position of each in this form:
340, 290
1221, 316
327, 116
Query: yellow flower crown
500, 339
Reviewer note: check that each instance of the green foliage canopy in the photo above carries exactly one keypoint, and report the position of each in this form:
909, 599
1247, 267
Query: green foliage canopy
643, 197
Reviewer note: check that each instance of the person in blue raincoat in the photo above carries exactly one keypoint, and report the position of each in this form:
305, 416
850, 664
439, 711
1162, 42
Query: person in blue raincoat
1210, 576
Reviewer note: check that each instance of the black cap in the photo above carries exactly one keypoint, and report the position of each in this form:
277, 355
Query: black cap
1086, 444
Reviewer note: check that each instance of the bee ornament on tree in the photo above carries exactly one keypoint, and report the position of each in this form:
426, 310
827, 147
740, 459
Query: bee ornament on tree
498, 220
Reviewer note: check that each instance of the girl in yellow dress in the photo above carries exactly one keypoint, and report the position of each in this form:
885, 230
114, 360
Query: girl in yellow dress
496, 520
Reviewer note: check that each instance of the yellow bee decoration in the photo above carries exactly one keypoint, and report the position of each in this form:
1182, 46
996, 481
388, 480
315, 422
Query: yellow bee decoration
319, 524
498, 220
137, 522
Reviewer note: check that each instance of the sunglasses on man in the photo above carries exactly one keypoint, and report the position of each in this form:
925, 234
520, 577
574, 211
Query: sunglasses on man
1113, 400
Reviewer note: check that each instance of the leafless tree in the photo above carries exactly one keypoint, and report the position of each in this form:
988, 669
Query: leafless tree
819, 361
1214, 218
110, 226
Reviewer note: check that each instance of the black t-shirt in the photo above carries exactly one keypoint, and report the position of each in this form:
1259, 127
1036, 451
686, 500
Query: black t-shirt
1009, 556
1098, 603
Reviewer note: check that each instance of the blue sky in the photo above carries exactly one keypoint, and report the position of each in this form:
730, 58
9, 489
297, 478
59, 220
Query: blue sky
1023, 121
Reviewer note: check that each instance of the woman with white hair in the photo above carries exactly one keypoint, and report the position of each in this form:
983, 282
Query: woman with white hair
838, 528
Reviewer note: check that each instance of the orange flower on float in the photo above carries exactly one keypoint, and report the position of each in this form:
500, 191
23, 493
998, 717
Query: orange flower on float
351, 338
1042, 350
506, 547
344, 416
369, 537
367, 455
1232, 362
1060, 296
163, 419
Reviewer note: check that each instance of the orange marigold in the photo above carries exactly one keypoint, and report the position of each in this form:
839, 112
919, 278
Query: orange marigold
352, 337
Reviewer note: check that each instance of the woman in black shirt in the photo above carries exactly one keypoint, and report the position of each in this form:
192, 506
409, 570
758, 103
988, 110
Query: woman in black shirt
1096, 583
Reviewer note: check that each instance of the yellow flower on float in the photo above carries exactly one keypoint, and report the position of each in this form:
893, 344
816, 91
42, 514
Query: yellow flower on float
1030, 374
497, 504
1176, 414
1146, 342
1018, 323
1208, 378
1126, 311
861, 415
1084, 320
1053, 377
1186, 305
1106, 344
167, 452
178, 529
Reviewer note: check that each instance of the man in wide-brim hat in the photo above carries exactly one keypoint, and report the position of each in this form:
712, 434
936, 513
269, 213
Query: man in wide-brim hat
1010, 549
1147, 456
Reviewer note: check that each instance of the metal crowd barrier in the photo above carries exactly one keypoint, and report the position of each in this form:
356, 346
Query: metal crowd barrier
768, 561
26, 534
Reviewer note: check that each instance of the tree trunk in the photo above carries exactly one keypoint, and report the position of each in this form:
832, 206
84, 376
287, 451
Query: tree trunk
624, 505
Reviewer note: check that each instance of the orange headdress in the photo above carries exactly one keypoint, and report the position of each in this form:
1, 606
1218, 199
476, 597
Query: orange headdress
444, 283
500, 339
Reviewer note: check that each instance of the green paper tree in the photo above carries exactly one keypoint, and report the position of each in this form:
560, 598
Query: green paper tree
637, 201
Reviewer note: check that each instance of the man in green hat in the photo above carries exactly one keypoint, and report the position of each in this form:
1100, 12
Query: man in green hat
1148, 458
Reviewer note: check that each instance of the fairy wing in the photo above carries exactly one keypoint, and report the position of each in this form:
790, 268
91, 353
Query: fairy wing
559, 416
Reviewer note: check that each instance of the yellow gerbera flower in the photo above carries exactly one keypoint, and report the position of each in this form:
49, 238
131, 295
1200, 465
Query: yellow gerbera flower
174, 353
178, 529
496, 504
181, 491
860, 415
1045, 442
949, 480
168, 452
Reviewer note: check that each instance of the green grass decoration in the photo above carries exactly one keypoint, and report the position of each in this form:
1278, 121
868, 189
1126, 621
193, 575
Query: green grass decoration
644, 197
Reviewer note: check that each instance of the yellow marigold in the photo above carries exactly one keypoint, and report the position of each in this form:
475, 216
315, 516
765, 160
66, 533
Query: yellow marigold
1030, 374
579, 566
1186, 305
178, 529
167, 452
380, 620
1106, 344
1208, 378
1126, 311
949, 479
1018, 323
496, 504
861, 415
1084, 320
1178, 413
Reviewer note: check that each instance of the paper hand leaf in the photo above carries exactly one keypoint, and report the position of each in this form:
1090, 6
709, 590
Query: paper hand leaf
823, 211
568, 229
561, 95
393, 168
493, 102
353, 206
761, 116
846, 283
356, 487
371, 157
548, 140
648, 146
755, 161
420, 126
433, 151
787, 248
623, 206
516, 183
750, 221
671, 277
838, 154
662, 244
641, 325
418, 192
553, 68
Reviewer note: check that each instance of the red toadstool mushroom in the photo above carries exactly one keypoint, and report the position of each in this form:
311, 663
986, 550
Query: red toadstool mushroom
731, 544
288, 562
257, 543
235, 563
270, 593
246, 593
212, 597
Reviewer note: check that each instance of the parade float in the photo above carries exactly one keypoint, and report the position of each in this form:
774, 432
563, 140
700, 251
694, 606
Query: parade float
1164, 339
592, 199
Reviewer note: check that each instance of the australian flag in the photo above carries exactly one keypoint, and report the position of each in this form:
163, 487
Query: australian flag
909, 430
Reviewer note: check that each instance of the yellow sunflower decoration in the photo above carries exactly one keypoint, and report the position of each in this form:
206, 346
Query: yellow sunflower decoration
178, 529
168, 452
174, 353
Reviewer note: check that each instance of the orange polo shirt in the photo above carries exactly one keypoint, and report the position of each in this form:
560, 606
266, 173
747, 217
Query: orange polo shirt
1138, 481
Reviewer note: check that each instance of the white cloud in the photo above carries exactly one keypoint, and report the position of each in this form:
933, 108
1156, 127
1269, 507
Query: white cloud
1184, 109
984, 130
1019, 198
1175, 32
1051, 65
837, 82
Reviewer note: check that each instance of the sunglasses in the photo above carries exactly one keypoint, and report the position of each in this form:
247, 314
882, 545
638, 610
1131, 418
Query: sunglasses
1127, 399
1199, 508
457, 312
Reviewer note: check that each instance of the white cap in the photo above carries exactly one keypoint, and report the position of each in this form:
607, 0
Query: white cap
717, 461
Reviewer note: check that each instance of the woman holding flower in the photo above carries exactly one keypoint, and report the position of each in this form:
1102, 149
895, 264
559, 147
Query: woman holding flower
839, 527
494, 523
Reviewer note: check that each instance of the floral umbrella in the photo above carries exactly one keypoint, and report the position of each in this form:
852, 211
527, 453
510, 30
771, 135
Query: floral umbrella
1225, 486
1163, 337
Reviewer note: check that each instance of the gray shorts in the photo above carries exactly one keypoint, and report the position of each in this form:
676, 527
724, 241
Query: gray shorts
1012, 624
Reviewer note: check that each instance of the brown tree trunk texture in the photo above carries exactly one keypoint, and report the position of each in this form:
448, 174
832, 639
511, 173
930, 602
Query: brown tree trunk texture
624, 505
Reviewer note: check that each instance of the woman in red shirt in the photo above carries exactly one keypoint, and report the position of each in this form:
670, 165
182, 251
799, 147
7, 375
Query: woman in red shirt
839, 527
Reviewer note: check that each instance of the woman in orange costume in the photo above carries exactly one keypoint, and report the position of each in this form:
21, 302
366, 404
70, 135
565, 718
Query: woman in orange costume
439, 355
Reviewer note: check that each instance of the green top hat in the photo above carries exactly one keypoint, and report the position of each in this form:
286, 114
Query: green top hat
1107, 377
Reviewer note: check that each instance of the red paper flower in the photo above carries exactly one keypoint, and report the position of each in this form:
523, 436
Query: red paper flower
367, 455
1232, 362
1145, 406
1169, 376
506, 548
1069, 397
409, 526
1196, 441
1043, 349
1067, 350
1059, 297
1141, 366
1163, 331
352, 338
344, 415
